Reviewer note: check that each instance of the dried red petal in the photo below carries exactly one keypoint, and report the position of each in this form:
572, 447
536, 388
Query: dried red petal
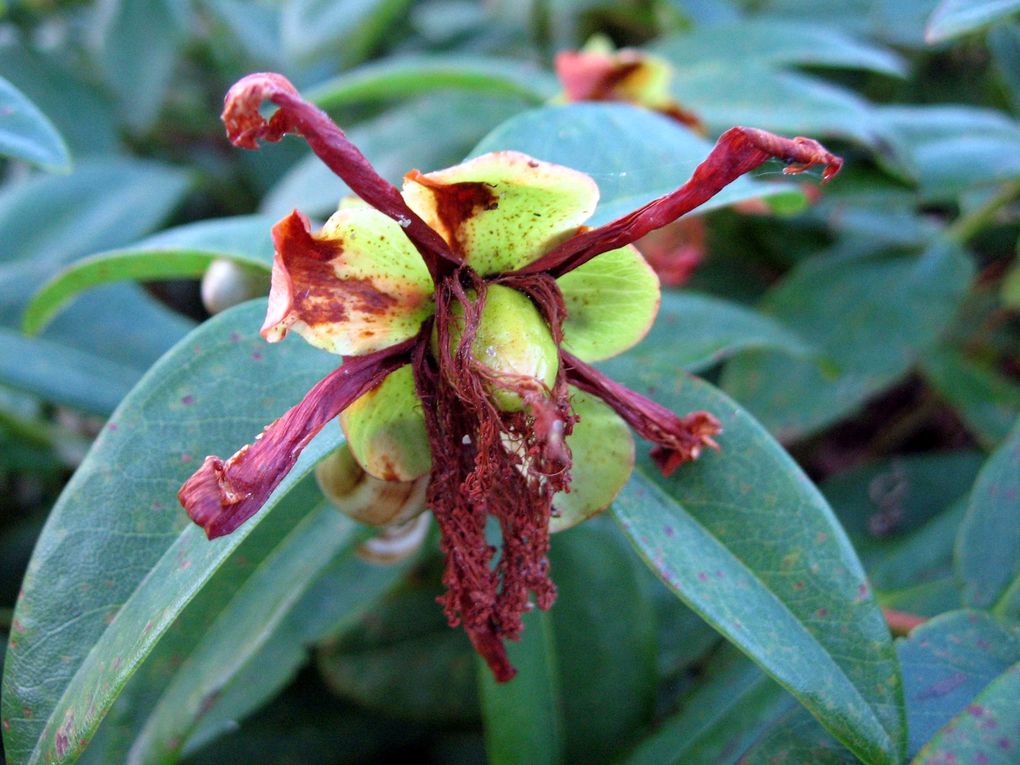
739, 150
221, 495
245, 125
677, 439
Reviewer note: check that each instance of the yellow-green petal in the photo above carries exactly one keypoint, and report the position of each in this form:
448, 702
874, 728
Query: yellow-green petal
385, 430
503, 210
356, 287
603, 456
611, 302
512, 339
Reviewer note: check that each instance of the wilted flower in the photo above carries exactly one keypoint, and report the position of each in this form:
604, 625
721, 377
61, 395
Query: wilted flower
466, 310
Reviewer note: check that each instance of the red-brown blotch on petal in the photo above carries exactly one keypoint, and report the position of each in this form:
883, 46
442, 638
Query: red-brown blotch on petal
356, 288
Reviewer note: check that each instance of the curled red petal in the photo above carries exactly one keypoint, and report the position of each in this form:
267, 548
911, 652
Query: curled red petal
677, 439
245, 125
221, 495
739, 150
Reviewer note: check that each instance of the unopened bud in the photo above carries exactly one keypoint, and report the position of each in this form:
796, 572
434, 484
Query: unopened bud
226, 284
364, 498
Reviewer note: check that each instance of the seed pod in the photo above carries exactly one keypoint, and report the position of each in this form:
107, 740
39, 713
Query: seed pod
367, 499
226, 284
512, 339
385, 430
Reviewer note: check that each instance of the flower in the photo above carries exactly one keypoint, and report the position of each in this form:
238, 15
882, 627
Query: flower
466, 310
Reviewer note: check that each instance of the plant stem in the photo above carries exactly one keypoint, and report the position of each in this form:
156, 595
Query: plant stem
966, 226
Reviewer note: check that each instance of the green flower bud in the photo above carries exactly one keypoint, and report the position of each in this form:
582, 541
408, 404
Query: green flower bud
367, 499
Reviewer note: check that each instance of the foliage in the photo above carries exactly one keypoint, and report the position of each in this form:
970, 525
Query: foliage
839, 583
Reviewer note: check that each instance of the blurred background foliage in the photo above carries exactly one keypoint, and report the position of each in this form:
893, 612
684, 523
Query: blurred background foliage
872, 329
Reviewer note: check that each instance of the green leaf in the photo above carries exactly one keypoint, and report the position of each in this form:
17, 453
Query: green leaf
734, 705
132, 32
404, 76
26, 133
779, 43
406, 636
54, 83
726, 92
953, 149
63, 374
696, 332
183, 252
797, 603
1004, 46
586, 669
947, 662
234, 619
794, 739
353, 28
988, 548
900, 22
392, 141
985, 732
634, 155
956, 18
524, 718
83, 629
988, 402
874, 314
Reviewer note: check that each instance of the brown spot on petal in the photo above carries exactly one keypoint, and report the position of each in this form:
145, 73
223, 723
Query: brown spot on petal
457, 203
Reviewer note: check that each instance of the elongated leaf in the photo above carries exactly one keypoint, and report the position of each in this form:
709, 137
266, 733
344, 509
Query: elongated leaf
242, 628
988, 548
524, 718
134, 31
734, 705
589, 671
779, 43
900, 22
634, 155
874, 315
947, 662
698, 331
797, 738
988, 402
27, 134
953, 149
353, 28
985, 732
186, 251
955, 18
400, 77
81, 633
798, 603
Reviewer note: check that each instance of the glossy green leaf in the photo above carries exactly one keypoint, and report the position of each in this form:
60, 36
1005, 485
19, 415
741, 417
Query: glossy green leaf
524, 718
988, 548
794, 739
183, 252
52, 82
404, 76
955, 18
81, 636
696, 332
797, 603
874, 315
139, 42
352, 29
985, 732
733, 706
779, 43
726, 92
586, 669
634, 155
392, 141
947, 662
405, 636
988, 402
953, 149
63, 374
900, 22
27, 134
